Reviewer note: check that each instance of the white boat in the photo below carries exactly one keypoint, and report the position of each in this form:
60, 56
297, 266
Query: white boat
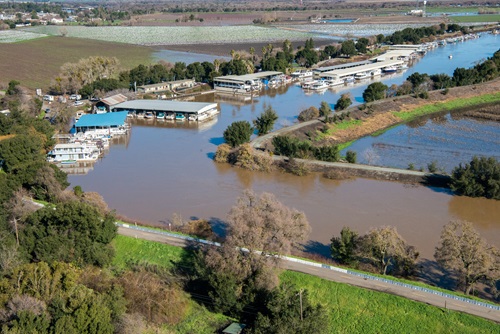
349, 79
72, 152
390, 69
160, 115
170, 116
402, 67
334, 82
301, 74
450, 56
180, 117
319, 85
193, 118
362, 75
308, 84
376, 72
149, 115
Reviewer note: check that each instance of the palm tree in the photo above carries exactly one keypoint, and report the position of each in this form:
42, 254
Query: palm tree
216, 65
232, 53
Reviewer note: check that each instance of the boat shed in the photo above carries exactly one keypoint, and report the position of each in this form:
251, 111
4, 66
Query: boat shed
318, 71
358, 69
155, 106
101, 121
106, 104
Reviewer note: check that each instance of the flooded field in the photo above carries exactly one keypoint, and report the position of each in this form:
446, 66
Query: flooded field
447, 140
166, 168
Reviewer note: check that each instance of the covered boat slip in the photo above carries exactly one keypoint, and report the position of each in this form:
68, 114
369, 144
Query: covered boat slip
107, 121
247, 83
157, 107
341, 74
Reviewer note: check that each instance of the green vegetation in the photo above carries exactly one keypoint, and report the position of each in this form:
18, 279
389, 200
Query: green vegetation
407, 116
265, 122
375, 91
344, 125
351, 309
237, 133
479, 178
129, 251
294, 148
345, 145
476, 18
356, 310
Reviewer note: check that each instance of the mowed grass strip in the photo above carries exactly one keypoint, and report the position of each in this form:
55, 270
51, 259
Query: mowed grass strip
477, 18
356, 310
351, 309
36, 62
130, 250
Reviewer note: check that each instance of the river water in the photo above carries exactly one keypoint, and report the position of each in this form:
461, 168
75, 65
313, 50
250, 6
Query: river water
166, 168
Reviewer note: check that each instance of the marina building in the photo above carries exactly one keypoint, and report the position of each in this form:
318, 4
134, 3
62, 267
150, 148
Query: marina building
110, 123
170, 110
244, 84
166, 86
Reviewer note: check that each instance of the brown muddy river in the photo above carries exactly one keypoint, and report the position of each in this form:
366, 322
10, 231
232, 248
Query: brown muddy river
166, 168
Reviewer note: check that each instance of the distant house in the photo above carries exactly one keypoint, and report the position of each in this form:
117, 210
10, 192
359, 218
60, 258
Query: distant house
57, 20
234, 328
166, 86
105, 105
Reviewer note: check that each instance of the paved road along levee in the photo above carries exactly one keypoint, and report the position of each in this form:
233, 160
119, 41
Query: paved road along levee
342, 276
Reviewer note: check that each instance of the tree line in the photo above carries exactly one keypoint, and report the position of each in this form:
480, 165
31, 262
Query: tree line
461, 250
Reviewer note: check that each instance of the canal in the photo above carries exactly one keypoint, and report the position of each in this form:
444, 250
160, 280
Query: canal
167, 168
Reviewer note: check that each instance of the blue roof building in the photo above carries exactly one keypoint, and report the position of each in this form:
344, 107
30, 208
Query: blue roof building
101, 121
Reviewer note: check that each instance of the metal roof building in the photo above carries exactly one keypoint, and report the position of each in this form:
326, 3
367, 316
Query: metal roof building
165, 106
107, 120
320, 70
363, 68
248, 77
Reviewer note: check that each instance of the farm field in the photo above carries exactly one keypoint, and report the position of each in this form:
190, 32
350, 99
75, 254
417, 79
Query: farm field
162, 35
13, 36
35, 62
477, 18
351, 309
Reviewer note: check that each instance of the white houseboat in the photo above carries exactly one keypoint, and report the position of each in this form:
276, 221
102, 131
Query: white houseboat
73, 152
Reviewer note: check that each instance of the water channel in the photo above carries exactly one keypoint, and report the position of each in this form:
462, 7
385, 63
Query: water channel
163, 169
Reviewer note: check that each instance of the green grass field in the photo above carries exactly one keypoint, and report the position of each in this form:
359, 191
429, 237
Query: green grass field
476, 18
36, 62
351, 309
447, 106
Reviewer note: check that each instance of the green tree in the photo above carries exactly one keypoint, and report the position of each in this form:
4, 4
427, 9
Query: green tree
74, 231
343, 102
265, 122
479, 178
417, 79
375, 91
351, 157
348, 48
19, 150
237, 133
327, 153
343, 248
289, 310
325, 110
361, 44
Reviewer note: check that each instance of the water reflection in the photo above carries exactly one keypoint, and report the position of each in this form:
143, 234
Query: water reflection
485, 213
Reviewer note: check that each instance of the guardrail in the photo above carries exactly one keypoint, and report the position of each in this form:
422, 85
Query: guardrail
325, 266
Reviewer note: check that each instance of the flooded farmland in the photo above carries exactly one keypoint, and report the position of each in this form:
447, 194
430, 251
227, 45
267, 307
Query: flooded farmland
165, 169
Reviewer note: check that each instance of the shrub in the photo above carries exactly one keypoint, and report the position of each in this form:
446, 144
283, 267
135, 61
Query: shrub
327, 153
296, 167
479, 178
343, 102
351, 157
432, 167
265, 122
308, 114
249, 158
375, 91
423, 95
238, 133
222, 153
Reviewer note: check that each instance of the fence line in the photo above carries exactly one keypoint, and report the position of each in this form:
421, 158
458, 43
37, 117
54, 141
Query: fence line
325, 266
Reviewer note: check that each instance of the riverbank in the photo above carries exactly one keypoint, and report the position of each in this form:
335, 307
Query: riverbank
383, 114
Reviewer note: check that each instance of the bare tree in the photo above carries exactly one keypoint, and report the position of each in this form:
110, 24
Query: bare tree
385, 247
462, 250
19, 207
265, 224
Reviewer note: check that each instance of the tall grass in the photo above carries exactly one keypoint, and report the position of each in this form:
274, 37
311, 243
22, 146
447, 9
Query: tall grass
476, 18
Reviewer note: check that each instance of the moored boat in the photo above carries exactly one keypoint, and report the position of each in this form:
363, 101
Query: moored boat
362, 75
390, 69
180, 117
160, 115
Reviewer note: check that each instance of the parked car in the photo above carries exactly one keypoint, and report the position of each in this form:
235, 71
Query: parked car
78, 103
75, 97
48, 98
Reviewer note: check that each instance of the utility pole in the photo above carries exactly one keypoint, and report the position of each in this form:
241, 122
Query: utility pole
301, 311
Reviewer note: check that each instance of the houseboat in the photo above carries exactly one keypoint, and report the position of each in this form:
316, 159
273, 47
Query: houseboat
362, 75
301, 74
72, 152
390, 69
319, 85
